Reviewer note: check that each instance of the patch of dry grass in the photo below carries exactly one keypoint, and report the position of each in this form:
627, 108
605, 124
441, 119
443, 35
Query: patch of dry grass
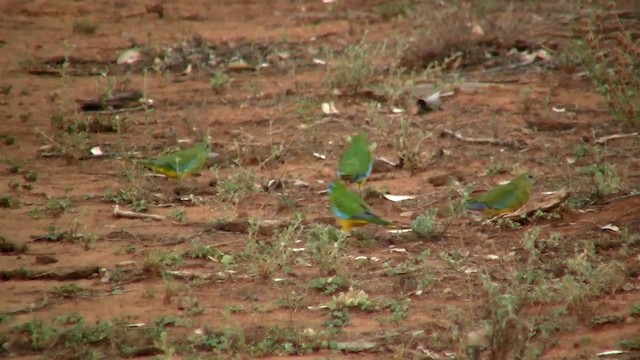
464, 34
612, 60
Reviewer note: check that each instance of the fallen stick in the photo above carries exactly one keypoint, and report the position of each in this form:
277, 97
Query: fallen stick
634, 210
123, 110
546, 205
263, 227
134, 215
491, 141
507, 67
605, 139
27, 274
186, 275
319, 122
620, 198
30, 308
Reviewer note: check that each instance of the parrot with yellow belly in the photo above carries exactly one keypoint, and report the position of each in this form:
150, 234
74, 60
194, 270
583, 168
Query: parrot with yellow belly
350, 209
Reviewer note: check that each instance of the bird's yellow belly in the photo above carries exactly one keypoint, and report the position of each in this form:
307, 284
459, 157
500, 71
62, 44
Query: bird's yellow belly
347, 225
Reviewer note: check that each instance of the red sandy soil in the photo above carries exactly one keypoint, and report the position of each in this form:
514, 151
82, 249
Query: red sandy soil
261, 112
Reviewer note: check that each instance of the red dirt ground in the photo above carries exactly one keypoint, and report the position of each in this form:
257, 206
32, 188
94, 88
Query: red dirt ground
248, 121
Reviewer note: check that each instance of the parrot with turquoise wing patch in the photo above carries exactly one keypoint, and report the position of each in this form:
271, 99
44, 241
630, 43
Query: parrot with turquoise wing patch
349, 208
504, 198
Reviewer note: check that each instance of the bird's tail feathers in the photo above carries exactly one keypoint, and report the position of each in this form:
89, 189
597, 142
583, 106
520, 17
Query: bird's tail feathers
384, 222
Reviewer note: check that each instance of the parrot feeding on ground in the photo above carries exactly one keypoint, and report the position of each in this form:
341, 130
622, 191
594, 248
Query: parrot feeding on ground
356, 163
182, 163
349, 208
504, 198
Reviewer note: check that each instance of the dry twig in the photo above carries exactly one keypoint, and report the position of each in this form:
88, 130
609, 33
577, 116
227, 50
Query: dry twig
31, 307
491, 141
605, 139
547, 204
134, 215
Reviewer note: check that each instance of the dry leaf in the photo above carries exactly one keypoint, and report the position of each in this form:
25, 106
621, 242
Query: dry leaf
329, 108
129, 56
398, 198
319, 62
610, 227
239, 65
610, 352
135, 325
399, 231
96, 151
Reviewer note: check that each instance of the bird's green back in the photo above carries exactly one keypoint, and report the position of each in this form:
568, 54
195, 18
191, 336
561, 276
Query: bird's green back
186, 155
357, 159
181, 163
348, 202
511, 195
349, 206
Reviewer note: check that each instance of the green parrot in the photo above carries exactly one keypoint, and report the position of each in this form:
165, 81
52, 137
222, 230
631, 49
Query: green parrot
180, 164
349, 208
356, 163
505, 198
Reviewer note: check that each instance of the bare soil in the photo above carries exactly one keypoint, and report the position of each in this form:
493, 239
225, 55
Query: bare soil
266, 124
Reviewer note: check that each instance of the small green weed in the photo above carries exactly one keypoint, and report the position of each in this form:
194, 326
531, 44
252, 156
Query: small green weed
9, 202
330, 285
326, 246
237, 185
605, 178
408, 143
135, 196
353, 68
267, 257
399, 309
31, 176
7, 139
178, 215
85, 26
72, 291
631, 344
58, 206
425, 225
219, 81
158, 261
395, 8
201, 251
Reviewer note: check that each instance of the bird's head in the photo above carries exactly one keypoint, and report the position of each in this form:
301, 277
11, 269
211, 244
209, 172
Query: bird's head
361, 138
529, 177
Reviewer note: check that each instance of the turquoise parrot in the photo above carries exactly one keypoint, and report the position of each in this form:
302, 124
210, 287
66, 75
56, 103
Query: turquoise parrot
356, 163
505, 198
349, 208
180, 164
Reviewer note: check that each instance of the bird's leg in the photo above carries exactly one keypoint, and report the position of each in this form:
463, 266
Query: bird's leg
190, 185
361, 186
